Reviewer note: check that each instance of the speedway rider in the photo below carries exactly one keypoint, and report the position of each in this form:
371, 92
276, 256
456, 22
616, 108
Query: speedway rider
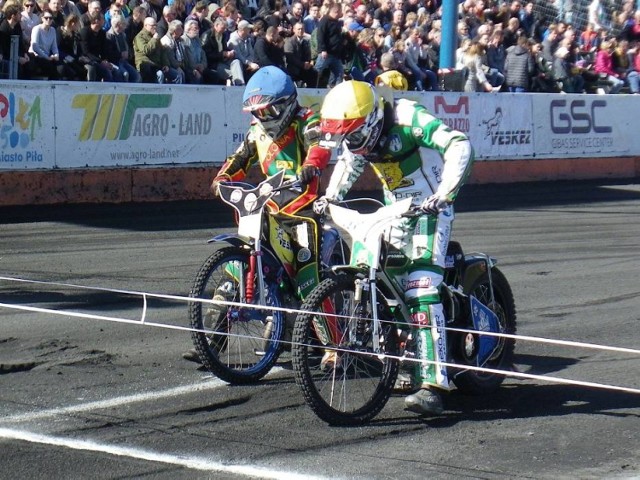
414, 155
282, 136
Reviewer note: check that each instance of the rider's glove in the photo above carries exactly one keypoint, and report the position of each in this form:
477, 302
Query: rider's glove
320, 205
308, 173
433, 205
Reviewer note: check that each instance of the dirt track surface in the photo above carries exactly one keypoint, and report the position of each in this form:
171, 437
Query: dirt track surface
83, 398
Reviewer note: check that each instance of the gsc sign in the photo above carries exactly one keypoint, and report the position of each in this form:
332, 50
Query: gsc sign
576, 117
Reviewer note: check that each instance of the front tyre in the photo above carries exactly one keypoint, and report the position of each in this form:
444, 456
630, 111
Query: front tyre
239, 344
342, 379
465, 350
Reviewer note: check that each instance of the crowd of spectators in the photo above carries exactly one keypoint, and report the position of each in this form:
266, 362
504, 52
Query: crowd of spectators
543, 46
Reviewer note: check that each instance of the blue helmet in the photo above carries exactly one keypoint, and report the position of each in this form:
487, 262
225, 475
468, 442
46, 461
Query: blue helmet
272, 98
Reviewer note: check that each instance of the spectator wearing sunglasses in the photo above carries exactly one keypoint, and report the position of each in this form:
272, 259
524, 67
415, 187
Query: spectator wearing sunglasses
29, 18
43, 50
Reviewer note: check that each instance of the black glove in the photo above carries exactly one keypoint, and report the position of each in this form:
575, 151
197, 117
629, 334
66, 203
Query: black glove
308, 173
433, 205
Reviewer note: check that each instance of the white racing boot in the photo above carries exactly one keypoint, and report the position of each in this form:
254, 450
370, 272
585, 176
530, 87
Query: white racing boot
427, 401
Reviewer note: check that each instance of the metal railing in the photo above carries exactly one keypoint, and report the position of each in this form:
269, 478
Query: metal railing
9, 66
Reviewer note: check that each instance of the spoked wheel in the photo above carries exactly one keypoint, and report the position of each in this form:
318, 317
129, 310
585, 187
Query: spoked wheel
467, 345
343, 380
242, 343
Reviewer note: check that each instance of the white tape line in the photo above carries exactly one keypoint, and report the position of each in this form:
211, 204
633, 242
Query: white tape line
235, 304
144, 295
191, 462
116, 402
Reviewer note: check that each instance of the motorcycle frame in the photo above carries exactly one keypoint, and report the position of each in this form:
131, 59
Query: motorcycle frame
378, 279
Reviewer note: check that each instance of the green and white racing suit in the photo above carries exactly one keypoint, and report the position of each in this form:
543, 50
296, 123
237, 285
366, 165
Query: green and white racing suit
416, 156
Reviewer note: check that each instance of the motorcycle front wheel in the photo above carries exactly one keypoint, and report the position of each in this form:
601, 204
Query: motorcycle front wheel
237, 343
343, 380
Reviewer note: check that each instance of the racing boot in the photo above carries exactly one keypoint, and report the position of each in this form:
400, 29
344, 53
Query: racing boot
431, 351
192, 356
427, 401
211, 314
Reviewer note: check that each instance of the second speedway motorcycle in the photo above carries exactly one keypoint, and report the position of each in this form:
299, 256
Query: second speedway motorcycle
365, 332
244, 288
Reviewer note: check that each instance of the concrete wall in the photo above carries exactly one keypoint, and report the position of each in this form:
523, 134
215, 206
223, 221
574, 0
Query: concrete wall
153, 184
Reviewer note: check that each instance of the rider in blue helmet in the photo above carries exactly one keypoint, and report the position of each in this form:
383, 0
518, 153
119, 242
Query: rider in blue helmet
272, 98
282, 135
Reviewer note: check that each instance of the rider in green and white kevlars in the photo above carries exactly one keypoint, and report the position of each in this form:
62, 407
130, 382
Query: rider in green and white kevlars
416, 155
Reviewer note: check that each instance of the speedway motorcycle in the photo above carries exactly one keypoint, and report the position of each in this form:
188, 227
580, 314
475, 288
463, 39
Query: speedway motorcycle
366, 331
239, 324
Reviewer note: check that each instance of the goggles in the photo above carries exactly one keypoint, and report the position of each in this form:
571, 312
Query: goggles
356, 140
334, 132
270, 112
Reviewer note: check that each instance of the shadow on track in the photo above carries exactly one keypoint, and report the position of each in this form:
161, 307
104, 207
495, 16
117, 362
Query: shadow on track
184, 215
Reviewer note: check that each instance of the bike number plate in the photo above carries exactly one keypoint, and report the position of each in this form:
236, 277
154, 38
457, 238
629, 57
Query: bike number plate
484, 320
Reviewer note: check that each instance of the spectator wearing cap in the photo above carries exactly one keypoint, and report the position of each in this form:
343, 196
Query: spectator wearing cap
391, 77
330, 45
352, 56
241, 42
297, 52
220, 58
269, 49
213, 12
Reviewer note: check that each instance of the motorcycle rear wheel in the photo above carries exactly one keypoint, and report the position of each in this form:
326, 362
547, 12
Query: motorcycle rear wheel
239, 344
356, 386
475, 382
